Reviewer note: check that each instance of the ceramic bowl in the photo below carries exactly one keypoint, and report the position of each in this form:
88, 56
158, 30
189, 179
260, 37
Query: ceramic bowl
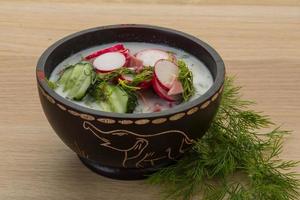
129, 146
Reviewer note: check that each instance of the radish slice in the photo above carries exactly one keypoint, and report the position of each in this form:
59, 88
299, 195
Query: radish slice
115, 48
109, 61
151, 56
127, 55
161, 91
176, 88
165, 72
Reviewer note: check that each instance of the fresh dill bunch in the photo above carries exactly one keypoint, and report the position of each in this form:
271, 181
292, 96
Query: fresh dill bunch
186, 78
233, 144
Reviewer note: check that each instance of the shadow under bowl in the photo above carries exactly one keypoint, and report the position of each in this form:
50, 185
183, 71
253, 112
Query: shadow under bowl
129, 146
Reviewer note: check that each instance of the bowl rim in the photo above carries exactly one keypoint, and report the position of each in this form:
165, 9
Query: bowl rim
217, 84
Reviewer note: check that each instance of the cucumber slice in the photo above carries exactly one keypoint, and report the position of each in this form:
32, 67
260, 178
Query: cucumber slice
77, 79
81, 82
118, 100
84, 84
76, 72
105, 106
66, 75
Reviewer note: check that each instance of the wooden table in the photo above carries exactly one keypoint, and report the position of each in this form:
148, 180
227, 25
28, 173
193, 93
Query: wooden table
260, 44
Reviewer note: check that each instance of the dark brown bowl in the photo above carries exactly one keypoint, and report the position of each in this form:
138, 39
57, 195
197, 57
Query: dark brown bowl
129, 146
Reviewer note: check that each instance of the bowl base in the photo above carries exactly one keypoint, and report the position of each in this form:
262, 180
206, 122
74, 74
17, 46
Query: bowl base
120, 173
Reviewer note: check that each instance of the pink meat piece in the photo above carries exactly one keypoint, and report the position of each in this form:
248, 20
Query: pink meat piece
135, 62
176, 88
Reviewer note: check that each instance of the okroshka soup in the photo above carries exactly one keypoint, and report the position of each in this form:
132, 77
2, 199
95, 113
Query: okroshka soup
129, 99
131, 77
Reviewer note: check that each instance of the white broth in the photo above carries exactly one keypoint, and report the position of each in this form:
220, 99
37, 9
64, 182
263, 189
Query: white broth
202, 78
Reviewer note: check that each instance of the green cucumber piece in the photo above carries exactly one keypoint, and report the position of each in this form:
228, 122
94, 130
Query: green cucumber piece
81, 82
118, 99
85, 84
112, 98
105, 106
66, 75
76, 72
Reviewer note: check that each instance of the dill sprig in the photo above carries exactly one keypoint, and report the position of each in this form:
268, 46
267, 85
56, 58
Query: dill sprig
146, 74
186, 78
114, 74
233, 145
127, 86
143, 76
99, 91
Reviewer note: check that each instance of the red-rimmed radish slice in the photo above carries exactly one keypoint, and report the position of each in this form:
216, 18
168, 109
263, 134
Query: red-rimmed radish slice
151, 56
109, 61
165, 72
126, 53
161, 91
115, 48
176, 88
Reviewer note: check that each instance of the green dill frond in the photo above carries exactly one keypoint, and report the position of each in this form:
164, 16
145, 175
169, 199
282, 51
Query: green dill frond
127, 87
186, 78
99, 91
114, 74
145, 75
232, 144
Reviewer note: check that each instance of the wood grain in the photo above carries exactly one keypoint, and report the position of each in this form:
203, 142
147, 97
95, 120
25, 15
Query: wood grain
260, 45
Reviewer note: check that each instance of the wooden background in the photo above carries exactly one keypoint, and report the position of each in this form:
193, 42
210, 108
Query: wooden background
259, 41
